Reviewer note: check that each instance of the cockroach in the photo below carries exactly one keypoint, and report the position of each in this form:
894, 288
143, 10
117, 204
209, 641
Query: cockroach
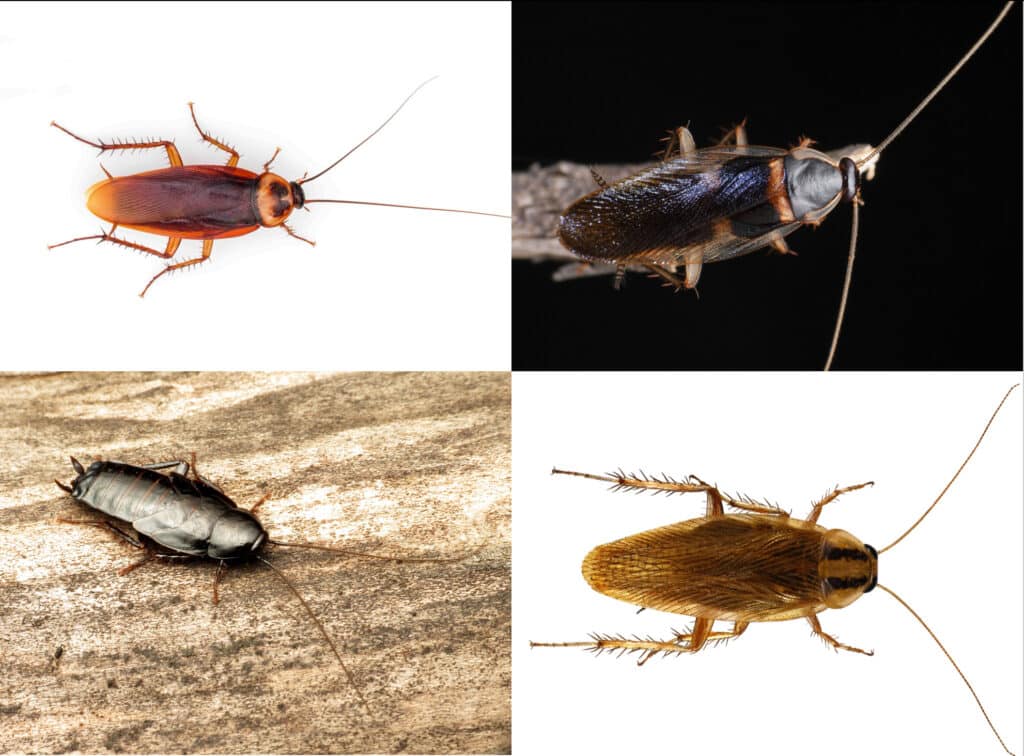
183, 515
760, 565
706, 205
207, 202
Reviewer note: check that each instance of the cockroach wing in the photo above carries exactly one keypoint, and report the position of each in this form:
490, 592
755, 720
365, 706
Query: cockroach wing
184, 521
737, 567
189, 202
706, 206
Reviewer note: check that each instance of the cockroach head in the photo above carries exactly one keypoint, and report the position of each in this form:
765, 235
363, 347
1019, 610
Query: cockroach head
298, 196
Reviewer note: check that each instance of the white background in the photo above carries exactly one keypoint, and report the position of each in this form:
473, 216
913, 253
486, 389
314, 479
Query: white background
788, 438
383, 288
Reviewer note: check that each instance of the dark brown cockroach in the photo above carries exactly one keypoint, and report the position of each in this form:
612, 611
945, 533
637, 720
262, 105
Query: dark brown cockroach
706, 205
760, 565
179, 515
207, 202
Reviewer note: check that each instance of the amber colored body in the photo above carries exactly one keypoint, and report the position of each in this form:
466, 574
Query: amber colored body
744, 568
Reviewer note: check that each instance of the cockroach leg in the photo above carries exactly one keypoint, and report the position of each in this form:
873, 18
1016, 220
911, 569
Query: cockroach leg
172, 151
107, 525
259, 503
172, 244
135, 565
233, 160
680, 142
266, 165
816, 628
683, 643
294, 235
737, 135
696, 639
207, 248
694, 262
663, 272
778, 243
818, 506
620, 276
598, 179
136, 543
687, 144
221, 569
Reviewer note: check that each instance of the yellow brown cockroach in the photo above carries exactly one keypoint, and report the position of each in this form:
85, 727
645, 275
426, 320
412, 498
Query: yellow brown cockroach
760, 565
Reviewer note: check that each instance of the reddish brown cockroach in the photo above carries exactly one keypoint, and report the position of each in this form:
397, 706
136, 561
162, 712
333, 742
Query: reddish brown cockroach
716, 203
760, 565
207, 202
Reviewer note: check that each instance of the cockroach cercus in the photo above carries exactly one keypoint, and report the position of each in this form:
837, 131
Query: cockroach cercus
760, 565
716, 203
207, 202
179, 515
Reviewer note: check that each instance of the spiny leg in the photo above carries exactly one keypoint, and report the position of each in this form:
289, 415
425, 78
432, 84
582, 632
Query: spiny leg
150, 554
169, 251
207, 248
682, 139
172, 151
233, 160
692, 484
663, 272
294, 235
682, 642
816, 628
737, 134
104, 524
266, 165
816, 509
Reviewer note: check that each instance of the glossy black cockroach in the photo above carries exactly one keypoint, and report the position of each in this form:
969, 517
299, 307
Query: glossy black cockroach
183, 516
716, 203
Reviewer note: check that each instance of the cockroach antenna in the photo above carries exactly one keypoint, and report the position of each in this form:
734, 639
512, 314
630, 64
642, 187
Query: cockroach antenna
372, 134
868, 161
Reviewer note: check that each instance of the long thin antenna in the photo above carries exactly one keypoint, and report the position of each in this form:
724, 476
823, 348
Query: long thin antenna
957, 473
938, 88
955, 666
873, 155
383, 557
846, 284
372, 135
320, 627
407, 207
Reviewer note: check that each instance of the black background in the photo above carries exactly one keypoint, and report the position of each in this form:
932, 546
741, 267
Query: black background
937, 283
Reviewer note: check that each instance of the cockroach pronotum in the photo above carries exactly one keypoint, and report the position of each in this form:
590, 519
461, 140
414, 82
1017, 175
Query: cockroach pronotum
760, 565
207, 202
716, 203
182, 516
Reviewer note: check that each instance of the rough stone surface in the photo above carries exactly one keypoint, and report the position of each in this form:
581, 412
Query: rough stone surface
413, 464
